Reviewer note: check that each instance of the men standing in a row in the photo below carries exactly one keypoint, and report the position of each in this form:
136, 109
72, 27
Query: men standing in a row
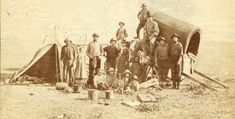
111, 52
142, 16
176, 59
68, 55
94, 51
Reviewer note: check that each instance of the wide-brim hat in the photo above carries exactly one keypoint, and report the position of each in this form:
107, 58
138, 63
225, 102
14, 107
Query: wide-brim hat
95, 35
143, 5
121, 23
66, 40
110, 69
127, 71
163, 39
175, 35
123, 41
135, 77
112, 39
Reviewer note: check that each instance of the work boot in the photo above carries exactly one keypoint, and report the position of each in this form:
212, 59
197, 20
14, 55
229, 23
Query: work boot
137, 37
174, 85
178, 85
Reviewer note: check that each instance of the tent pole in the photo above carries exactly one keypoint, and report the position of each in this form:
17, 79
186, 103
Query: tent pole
57, 72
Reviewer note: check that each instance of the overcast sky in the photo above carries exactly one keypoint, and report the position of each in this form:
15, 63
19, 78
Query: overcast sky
25, 23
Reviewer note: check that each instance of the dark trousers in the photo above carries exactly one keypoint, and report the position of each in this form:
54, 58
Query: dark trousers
149, 46
67, 71
111, 63
140, 26
163, 68
93, 70
175, 73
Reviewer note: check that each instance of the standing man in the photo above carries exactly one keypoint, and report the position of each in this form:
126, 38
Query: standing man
142, 16
111, 53
68, 55
175, 55
121, 34
151, 32
162, 56
94, 51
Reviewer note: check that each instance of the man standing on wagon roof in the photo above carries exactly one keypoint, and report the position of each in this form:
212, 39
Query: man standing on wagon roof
68, 55
176, 53
94, 51
142, 16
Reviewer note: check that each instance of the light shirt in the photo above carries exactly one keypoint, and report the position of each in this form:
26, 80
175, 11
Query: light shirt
94, 49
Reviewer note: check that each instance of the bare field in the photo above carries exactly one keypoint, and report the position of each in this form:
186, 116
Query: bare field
45, 102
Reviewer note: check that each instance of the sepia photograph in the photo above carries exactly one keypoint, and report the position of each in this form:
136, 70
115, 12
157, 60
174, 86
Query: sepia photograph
117, 59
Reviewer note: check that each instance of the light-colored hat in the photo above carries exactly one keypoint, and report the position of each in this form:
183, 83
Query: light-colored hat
110, 69
175, 35
127, 71
95, 35
162, 38
135, 77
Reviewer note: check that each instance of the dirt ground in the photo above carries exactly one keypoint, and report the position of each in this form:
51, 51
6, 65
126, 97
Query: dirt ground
191, 101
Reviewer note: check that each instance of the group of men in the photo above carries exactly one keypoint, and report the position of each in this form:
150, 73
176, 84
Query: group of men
118, 54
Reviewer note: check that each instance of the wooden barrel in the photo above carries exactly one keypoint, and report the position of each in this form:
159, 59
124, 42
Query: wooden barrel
93, 94
109, 94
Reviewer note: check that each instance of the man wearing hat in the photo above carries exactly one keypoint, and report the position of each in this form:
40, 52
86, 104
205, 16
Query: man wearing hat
162, 61
134, 84
121, 34
111, 52
175, 55
94, 51
151, 32
138, 69
142, 16
68, 55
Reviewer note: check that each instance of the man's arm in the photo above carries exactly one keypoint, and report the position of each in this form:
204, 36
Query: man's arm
125, 33
180, 51
88, 51
138, 15
105, 51
101, 50
155, 29
117, 33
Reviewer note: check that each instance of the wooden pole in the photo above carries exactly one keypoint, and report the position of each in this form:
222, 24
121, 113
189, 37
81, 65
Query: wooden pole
195, 80
213, 80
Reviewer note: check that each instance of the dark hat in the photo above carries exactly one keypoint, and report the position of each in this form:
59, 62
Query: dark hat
95, 35
143, 5
66, 40
122, 23
149, 15
112, 39
175, 35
